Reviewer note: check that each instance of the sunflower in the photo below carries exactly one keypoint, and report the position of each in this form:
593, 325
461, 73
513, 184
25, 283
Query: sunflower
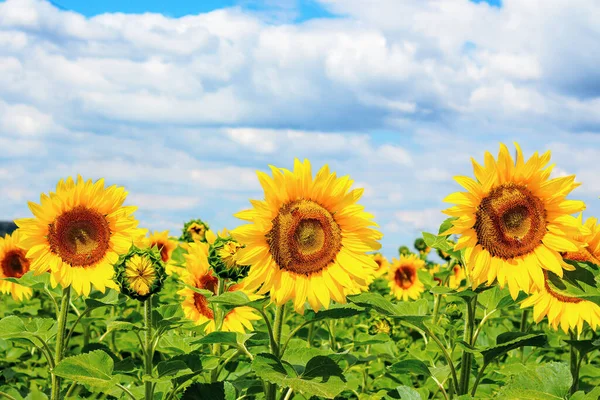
140, 272
195, 305
562, 310
222, 257
590, 253
13, 264
194, 231
78, 233
514, 221
403, 278
456, 276
308, 239
164, 244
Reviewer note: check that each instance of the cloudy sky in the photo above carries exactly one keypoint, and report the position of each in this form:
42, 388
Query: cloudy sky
183, 103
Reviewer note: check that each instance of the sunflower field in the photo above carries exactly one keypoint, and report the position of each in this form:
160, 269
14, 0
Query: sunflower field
297, 302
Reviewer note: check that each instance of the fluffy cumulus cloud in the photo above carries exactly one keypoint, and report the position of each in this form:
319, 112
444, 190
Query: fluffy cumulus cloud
399, 95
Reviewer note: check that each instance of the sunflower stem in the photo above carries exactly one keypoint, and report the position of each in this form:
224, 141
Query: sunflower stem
523, 328
60, 339
275, 345
148, 351
465, 365
574, 364
218, 315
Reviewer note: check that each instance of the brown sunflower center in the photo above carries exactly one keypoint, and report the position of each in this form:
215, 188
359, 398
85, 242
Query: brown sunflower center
560, 297
583, 255
80, 237
207, 282
305, 238
405, 276
510, 221
14, 264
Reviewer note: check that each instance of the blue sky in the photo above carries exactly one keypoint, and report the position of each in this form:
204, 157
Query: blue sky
183, 104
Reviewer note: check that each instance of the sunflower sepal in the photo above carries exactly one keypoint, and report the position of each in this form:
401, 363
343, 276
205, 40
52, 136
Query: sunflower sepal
126, 284
222, 259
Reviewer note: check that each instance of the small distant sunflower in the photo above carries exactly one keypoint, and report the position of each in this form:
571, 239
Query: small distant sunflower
456, 276
403, 278
194, 231
434, 270
164, 244
562, 310
309, 239
78, 233
195, 305
140, 272
222, 257
13, 264
382, 263
422, 247
514, 221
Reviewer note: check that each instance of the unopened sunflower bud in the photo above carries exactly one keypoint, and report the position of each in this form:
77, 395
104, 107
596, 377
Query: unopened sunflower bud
194, 231
453, 311
222, 257
381, 326
140, 273
403, 250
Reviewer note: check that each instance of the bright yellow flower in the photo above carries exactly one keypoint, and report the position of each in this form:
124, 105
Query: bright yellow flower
514, 221
562, 310
78, 233
195, 305
590, 253
13, 264
456, 276
403, 278
308, 240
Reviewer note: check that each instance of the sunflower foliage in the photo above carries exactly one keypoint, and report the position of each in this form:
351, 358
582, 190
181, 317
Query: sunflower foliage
301, 303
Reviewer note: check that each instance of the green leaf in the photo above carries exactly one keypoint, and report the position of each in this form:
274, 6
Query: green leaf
408, 393
512, 340
31, 280
539, 382
581, 395
13, 327
447, 224
204, 292
108, 299
412, 312
336, 311
417, 367
229, 338
583, 282
322, 376
440, 243
584, 346
210, 391
94, 370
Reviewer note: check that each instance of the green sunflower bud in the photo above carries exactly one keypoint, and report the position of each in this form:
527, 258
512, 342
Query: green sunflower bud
381, 326
221, 257
194, 231
453, 311
140, 272
403, 250
420, 244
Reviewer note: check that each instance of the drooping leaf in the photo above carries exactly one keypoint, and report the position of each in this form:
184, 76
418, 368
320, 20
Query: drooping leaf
229, 338
539, 382
94, 370
408, 393
513, 340
416, 367
322, 376
210, 391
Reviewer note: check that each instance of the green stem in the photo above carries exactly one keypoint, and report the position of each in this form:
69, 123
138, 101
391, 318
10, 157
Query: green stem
574, 363
123, 388
481, 323
71, 390
148, 351
309, 336
275, 346
446, 356
465, 365
331, 328
6, 395
293, 333
83, 314
60, 339
218, 319
523, 328
437, 302
479, 376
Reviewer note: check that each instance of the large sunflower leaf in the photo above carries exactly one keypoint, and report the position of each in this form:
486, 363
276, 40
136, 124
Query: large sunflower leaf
414, 312
321, 377
93, 370
336, 311
539, 382
13, 327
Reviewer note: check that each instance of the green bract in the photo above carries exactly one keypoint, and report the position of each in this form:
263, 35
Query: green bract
140, 272
221, 259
